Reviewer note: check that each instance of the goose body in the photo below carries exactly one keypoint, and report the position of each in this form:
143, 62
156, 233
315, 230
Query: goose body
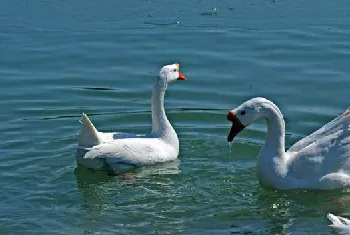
339, 224
318, 161
119, 152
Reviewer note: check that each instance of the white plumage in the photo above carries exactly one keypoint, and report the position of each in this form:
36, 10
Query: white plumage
318, 161
119, 152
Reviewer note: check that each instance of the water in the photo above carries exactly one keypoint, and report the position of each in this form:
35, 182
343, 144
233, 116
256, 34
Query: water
59, 59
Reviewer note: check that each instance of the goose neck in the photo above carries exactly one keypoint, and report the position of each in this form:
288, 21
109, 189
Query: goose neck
160, 122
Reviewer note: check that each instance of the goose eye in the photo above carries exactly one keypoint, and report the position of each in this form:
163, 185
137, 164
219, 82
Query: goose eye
174, 70
242, 112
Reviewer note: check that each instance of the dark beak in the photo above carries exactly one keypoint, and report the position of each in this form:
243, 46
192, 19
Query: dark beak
237, 126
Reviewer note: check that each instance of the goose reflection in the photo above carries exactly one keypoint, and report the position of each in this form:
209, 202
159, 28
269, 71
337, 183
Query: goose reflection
100, 188
279, 209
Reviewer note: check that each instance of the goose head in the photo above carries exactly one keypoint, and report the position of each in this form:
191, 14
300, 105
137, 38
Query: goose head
170, 73
245, 114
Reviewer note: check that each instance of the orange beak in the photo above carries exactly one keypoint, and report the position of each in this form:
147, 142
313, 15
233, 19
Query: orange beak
181, 76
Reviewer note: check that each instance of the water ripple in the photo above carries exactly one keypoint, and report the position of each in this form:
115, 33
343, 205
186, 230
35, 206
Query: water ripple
67, 59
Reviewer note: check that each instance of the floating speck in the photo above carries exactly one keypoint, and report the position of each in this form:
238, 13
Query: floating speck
162, 23
209, 14
213, 12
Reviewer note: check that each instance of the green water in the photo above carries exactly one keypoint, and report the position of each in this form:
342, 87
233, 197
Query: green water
59, 59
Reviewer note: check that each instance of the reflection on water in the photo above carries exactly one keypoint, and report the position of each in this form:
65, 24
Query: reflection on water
280, 212
167, 168
102, 60
281, 209
86, 177
96, 185
141, 197
91, 184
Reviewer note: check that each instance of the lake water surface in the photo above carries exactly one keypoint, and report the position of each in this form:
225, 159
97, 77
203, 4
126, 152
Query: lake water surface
61, 58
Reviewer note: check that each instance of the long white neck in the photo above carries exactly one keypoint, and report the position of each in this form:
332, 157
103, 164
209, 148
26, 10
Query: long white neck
161, 126
275, 140
271, 158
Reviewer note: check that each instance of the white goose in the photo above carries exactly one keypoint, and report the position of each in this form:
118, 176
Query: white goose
119, 152
340, 224
318, 161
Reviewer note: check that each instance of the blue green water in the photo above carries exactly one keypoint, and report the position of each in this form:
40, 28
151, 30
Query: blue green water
61, 58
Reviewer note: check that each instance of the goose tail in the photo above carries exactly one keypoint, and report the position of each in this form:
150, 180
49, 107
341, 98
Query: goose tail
88, 135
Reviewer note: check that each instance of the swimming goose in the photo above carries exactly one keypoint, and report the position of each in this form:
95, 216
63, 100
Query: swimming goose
318, 161
340, 224
120, 152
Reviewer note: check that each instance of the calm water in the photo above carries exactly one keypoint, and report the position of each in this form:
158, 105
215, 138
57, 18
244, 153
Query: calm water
61, 58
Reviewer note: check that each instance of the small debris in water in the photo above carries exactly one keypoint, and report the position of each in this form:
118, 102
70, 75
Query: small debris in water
213, 12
